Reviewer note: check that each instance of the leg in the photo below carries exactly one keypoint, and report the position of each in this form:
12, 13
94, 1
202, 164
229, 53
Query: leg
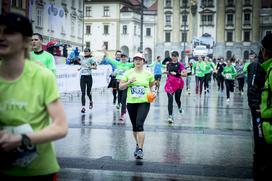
142, 112
83, 89
89, 87
124, 101
114, 93
227, 88
201, 85
197, 83
177, 97
170, 104
132, 112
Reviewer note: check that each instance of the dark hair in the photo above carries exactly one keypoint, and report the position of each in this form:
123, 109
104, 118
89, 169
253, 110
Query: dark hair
118, 51
39, 35
175, 53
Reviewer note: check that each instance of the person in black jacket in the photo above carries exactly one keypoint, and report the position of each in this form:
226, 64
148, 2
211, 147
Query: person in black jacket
255, 81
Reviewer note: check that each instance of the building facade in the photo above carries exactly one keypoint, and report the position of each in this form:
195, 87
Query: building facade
116, 25
58, 20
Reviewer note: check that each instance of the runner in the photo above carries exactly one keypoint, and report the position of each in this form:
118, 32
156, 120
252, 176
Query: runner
220, 79
41, 56
113, 81
31, 113
199, 68
229, 74
210, 67
121, 67
174, 83
189, 66
86, 81
138, 81
157, 71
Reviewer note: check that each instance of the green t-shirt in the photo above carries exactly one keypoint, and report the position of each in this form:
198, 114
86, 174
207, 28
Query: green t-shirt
229, 72
24, 101
199, 68
46, 59
137, 91
266, 112
121, 67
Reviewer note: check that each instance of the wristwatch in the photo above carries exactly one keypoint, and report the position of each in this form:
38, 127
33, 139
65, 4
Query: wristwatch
25, 140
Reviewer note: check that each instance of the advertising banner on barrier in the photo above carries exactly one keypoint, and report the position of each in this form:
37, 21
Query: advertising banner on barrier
68, 77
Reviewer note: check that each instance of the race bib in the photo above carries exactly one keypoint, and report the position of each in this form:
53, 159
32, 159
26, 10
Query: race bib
228, 75
137, 91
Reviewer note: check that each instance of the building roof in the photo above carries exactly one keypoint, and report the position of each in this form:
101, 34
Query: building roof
154, 6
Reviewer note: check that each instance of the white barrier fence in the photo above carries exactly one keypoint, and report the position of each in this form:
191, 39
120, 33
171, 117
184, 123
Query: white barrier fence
68, 77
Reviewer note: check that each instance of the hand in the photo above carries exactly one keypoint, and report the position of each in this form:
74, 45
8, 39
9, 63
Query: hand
9, 141
132, 80
173, 73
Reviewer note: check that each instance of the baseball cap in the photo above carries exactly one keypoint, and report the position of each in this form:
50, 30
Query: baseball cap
266, 41
139, 55
17, 23
123, 54
87, 50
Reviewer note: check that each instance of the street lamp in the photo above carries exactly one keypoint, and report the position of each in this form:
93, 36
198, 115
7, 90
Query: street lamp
202, 17
185, 2
142, 24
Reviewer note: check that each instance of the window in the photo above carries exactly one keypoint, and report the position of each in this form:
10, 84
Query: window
207, 20
246, 35
88, 44
106, 11
247, 2
79, 4
207, 3
167, 36
246, 54
184, 2
184, 18
246, 18
184, 36
39, 17
124, 29
20, 4
88, 29
168, 20
230, 3
88, 12
106, 29
168, 3
73, 3
135, 29
106, 45
73, 22
230, 19
229, 36
148, 32
228, 54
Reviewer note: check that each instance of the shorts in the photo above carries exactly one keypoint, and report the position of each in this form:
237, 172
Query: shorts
157, 77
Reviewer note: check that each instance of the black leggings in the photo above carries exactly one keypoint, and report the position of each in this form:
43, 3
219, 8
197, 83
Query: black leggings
86, 81
207, 79
199, 84
122, 98
137, 114
170, 100
220, 82
241, 82
229, 87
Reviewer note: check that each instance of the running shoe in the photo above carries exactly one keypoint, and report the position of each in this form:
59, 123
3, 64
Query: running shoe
140, 154
117, 106
83, 110
91, 105
181, 110
170, 119
136, 150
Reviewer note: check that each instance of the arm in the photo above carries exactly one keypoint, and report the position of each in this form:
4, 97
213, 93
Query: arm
56, 130
124, 84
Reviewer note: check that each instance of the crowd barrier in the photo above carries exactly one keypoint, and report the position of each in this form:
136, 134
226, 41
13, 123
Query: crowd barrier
68, 77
